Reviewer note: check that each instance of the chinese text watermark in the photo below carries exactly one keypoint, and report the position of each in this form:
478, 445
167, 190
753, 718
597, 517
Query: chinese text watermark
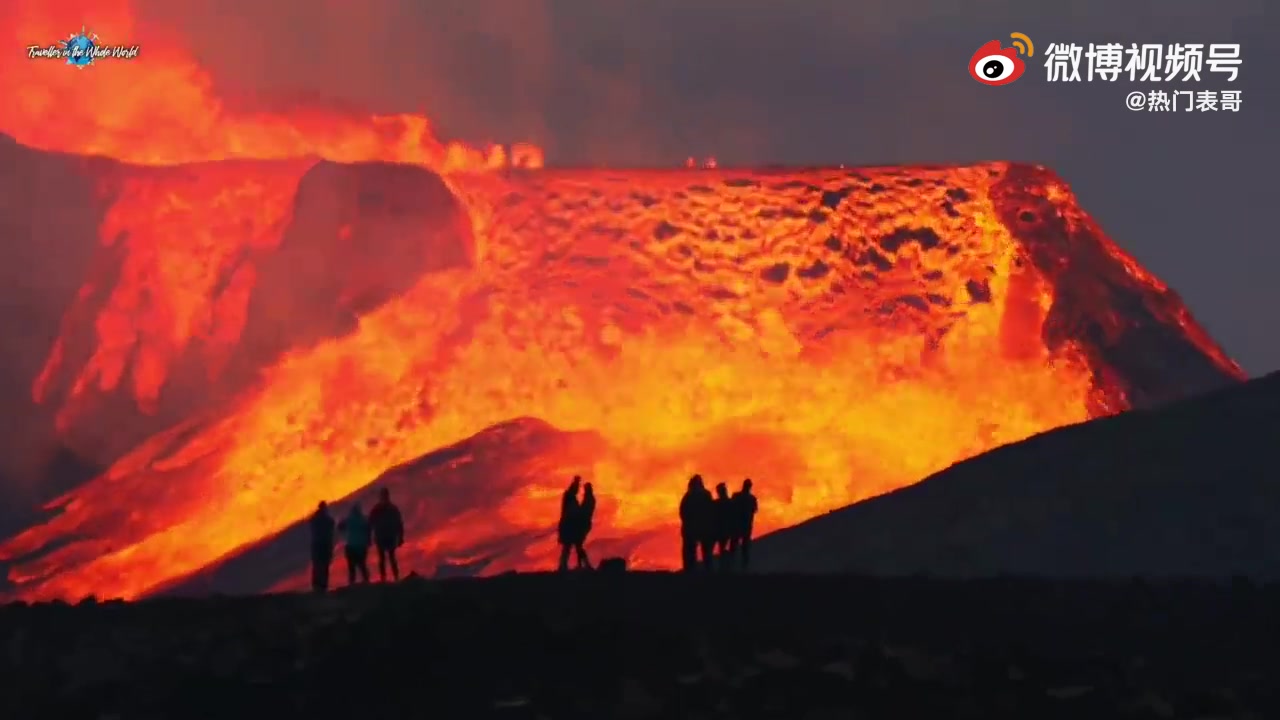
1184, 100
1149, 62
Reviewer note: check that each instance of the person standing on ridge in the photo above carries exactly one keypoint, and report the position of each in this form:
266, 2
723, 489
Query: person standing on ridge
322, 536
388, 534
725, 526
745, 508
565, 530
582, 526
355, 527
696, 525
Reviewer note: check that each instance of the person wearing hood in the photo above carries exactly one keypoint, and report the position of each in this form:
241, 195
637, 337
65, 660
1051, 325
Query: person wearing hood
697, 525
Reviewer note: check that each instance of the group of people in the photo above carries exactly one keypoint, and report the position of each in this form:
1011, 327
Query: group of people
719, 525
575, 523
383, 527
711, 526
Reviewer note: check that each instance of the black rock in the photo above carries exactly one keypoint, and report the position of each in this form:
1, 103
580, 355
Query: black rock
613, 565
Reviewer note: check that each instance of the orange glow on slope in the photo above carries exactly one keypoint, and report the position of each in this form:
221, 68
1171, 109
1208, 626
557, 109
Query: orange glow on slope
730, 323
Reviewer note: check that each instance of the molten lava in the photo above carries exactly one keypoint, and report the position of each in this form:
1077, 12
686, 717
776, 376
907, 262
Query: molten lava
161, 110
833, 334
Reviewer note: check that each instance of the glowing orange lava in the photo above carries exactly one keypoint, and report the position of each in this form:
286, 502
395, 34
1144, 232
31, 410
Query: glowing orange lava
160, 109
833, 334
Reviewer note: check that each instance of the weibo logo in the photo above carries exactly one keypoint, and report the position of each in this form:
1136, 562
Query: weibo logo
994, 65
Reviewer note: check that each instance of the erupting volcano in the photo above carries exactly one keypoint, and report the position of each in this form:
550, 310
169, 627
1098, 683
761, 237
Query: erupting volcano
286, 308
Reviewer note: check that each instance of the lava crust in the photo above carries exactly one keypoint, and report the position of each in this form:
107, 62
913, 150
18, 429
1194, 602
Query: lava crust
833, 333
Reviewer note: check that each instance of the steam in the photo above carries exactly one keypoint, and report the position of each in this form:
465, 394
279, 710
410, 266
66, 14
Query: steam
627, 84
44, 252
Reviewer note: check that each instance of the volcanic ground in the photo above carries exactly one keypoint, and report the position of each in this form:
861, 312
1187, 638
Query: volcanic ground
659, 645
1183, 488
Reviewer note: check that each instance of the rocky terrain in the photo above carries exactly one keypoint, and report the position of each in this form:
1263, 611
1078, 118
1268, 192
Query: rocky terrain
658, 646
1188, 490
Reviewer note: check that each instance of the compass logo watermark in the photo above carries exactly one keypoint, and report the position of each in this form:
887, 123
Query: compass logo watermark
81, 50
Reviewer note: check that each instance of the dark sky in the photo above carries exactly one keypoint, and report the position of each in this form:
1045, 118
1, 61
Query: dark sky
651, 82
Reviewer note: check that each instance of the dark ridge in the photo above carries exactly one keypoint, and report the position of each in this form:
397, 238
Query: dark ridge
1187, 490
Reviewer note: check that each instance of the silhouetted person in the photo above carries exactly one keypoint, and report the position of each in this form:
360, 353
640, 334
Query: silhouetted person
322, 535
582, 525
725, 522
355, 527
697, 525
569, 516
388, 534
745, 507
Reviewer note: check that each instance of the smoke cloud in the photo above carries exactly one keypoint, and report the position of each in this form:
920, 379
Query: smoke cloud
614, 82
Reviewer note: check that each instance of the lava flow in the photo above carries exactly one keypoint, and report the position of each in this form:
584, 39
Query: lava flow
833, 334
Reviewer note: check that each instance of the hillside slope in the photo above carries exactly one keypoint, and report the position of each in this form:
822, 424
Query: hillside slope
1191, 489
